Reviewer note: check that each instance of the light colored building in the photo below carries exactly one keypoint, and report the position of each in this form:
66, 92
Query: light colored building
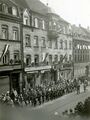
10, 46
46, 40
81, 51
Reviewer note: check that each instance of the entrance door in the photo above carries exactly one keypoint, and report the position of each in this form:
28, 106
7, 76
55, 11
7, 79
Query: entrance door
15, 82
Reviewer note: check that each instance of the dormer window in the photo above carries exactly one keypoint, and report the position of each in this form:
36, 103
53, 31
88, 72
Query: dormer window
4, 8
14, 11
36, 22
26, 19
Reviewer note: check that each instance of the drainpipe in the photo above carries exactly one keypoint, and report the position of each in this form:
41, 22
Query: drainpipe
22, 82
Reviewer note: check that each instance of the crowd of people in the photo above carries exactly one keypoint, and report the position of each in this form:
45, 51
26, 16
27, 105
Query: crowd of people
38, 95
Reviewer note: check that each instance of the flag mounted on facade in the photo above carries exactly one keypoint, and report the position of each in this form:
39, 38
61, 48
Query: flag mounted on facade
45, 56
4, 51
63, 58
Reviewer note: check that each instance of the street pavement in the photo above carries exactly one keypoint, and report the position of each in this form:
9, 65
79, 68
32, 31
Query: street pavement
51, 110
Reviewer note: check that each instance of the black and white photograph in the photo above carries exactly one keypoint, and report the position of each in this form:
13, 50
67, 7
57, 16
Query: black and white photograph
44, 59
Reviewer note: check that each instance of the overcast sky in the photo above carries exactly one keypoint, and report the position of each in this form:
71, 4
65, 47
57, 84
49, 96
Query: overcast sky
74, 11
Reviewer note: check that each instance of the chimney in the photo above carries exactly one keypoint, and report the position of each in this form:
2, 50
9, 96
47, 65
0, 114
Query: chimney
88, 28
79, 25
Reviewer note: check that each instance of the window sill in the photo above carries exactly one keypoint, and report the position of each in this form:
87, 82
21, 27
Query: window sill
10, 40
55, 48
43, 47
27, 46
36, 46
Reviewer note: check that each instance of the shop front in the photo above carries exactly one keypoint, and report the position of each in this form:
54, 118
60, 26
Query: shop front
10, 78
40, 76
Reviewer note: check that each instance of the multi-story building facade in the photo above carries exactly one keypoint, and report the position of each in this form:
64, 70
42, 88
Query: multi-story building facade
10, 46
60, 45
46, 40
81, 51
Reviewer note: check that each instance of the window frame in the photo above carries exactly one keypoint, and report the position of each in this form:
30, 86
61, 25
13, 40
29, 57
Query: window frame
5, 27
14, 8
29, 40
36, 22
43, 42
28, 57
16, 36
61, 44
36, 41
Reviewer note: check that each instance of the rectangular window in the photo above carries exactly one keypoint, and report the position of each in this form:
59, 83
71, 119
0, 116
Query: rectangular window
16, 56
50, 59
28, 60
56, 58
15, 34
61, 44
4, 32
56, 44
6, 58
4, 8
27, 40
36, 22
70, 45
43, 42
65, 44
36, 60
50, 43
43, 24
61, 58
70, 57
36, 41
25, 20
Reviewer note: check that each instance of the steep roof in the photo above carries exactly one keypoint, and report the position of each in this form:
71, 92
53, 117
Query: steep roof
34, 5
87, 32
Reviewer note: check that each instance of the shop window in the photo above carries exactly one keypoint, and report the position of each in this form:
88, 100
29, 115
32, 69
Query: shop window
27, 40
15, 33
4, 32
28, 60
